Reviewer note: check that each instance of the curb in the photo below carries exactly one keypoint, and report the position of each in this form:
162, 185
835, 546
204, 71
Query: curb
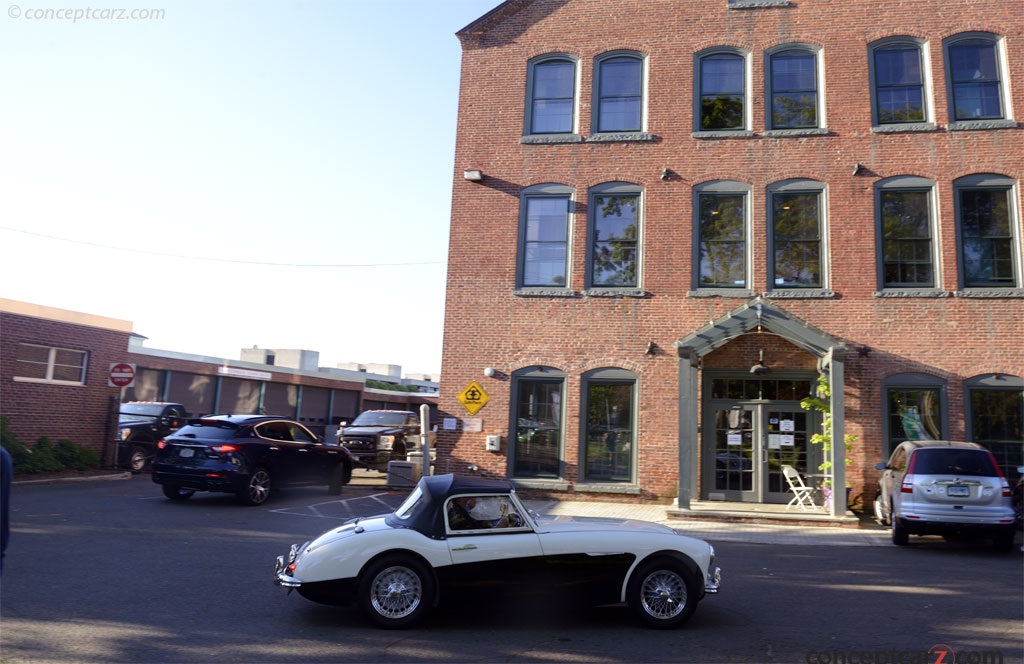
66, 480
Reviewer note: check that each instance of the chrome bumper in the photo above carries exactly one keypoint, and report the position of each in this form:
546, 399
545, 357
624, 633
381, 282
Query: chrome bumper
281, 575
714, 581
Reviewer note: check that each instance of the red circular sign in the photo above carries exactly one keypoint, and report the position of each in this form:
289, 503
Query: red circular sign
121, 374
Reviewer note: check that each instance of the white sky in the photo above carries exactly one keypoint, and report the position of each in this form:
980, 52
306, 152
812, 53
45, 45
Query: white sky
187, 173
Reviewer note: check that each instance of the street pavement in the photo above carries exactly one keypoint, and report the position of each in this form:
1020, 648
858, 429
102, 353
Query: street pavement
724, 530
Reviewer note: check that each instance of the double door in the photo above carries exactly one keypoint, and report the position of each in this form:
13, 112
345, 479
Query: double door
746, 444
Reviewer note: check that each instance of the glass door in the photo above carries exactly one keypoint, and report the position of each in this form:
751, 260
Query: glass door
746, 444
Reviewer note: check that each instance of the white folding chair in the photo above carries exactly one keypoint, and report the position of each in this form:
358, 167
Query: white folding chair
801, 492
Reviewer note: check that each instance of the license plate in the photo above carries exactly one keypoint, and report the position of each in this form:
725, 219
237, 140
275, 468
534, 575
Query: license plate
958, 491
186, 453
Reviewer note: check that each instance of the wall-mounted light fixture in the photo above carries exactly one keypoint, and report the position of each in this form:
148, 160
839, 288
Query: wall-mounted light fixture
489, 372
857, 168
473, 175
651, 348
760, 369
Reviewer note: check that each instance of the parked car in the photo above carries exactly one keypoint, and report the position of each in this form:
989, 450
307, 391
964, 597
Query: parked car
248, 455
472, 539
931, 487
141, 425
376, 437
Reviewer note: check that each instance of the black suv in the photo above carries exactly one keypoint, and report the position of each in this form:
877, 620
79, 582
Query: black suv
141, 425
376, 437
248, 455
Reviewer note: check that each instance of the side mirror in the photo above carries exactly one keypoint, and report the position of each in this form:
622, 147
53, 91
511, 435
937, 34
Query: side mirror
881, 466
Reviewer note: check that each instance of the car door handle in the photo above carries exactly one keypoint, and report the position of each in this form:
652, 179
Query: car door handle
468, 547
303, 450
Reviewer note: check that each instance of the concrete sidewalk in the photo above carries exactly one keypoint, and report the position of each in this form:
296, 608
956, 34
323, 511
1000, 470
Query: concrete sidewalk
722, 530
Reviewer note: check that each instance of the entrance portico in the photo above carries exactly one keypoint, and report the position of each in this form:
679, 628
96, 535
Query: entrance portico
757, 445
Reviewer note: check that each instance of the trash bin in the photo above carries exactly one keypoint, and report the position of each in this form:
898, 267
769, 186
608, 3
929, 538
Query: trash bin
403, 473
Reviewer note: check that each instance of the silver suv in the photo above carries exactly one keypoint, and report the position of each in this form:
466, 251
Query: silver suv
931, 487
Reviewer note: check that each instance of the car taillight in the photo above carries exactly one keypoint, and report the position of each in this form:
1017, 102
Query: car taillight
223, 449
161, 444
1007, 491
907, 486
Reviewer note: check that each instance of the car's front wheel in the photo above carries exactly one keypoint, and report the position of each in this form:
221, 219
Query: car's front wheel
175, 492
664, 593
396, 591
137, 460
257, 488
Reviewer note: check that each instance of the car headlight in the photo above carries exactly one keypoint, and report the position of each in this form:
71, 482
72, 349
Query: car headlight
125, 433
387, 442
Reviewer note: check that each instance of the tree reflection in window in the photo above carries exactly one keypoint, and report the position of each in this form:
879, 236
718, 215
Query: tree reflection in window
986, 237
609, 436
538, 432
794, 90
723, 244
615, 241
722, 87
906, 239
797, 240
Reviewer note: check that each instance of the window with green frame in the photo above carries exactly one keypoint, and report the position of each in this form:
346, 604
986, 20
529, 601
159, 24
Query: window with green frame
609, 449
538, 427
915, 408
614, 229
996, 419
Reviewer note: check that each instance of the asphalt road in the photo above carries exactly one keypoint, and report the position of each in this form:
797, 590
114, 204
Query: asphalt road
113, 572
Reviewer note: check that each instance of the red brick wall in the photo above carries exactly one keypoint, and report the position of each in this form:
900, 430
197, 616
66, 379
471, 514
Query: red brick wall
74, 412
487, 325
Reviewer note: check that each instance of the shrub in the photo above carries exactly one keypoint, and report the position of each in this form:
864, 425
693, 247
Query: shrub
44, 456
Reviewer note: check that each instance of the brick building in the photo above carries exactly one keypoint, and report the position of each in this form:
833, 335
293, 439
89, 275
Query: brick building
670, 218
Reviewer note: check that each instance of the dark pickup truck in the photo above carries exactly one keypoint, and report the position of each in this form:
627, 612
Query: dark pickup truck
376, 437
141, 425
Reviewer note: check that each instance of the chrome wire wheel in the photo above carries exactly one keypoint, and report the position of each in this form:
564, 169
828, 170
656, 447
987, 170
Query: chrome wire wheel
663, 594
396, 592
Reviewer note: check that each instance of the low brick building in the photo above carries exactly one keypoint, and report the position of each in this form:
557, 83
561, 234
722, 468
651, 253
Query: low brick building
55, 381
669, 219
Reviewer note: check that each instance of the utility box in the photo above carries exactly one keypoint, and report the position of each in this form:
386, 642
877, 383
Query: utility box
403, 473
493, 444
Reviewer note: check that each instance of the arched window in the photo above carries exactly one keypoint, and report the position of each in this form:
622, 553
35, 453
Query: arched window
619, 92
722, 84
551, 95
608, 448
793, 88
614, 231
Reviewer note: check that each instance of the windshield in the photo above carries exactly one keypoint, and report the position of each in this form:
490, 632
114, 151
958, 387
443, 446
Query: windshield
207, 430
146, 409
379, 419
411, 504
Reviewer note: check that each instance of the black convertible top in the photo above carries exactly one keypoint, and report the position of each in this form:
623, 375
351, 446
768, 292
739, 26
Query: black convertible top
427, 516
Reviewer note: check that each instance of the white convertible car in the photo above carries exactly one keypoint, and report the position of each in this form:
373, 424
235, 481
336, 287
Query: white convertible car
455, 535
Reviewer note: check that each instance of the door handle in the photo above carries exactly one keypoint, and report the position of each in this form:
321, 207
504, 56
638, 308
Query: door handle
468, 547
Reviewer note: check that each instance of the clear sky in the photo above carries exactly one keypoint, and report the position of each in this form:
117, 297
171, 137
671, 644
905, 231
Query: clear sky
235, 173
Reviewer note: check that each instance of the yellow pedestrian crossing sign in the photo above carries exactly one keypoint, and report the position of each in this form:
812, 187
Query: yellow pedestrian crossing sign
473, 397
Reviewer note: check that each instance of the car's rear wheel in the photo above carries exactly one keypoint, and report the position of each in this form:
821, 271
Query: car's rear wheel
137, 460
175, 492
257, 488
396, 591
900, 536
663, 593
